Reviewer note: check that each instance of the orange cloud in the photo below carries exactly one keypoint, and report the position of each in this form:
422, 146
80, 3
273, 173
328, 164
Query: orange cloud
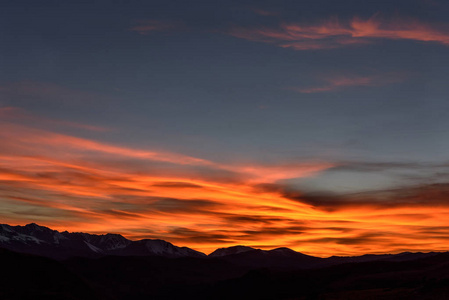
78, 184
278, 172
335, 34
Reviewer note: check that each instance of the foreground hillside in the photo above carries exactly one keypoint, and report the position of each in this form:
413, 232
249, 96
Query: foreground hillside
115, 277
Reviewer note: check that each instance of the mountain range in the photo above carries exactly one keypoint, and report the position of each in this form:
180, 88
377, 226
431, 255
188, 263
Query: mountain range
43, 241
40, 240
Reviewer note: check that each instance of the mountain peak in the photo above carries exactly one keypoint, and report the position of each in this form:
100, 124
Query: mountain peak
34, 226
283, 250
220, 252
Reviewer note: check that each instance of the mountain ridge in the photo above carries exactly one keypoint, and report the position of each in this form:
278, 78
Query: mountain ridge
43, 241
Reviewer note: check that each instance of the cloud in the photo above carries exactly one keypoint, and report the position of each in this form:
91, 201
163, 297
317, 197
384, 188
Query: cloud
272, 231
177, 185
333, 33
200, 237
267, 173
28, 138
148, 26
7, 111
185, 206
430, 195
121, 214
355, 240
66, 168
339, 82
368, 166
72, 183
240, 219
18, 114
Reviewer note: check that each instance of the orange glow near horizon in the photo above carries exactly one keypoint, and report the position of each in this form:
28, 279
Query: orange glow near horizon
77, 184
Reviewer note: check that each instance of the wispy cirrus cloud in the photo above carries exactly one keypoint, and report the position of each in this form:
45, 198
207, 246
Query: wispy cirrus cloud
342, 81
334, 33
18, 114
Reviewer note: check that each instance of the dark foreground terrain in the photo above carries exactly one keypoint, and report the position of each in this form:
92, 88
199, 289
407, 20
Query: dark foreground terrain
26, 276
40, 263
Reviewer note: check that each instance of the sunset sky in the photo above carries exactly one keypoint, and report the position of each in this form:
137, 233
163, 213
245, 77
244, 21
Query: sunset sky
322, 126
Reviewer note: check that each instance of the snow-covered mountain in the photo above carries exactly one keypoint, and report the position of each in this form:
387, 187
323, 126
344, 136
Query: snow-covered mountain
40, 240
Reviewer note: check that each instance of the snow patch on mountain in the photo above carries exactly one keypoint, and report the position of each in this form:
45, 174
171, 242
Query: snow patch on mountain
5, 228
26, 238
57, 237
4, 239
114, 241
93, 248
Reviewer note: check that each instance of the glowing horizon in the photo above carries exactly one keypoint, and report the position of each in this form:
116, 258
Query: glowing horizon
78, 184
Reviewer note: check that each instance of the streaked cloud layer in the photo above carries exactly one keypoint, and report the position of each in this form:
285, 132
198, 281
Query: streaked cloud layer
73, 183
334, 33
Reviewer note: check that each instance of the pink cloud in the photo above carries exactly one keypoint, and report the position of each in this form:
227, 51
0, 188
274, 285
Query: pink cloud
8, 111
344, 81
335, 34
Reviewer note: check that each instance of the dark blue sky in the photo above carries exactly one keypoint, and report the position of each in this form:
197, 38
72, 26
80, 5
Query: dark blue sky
190, 81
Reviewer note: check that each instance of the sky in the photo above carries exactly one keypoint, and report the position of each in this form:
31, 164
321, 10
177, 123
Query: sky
315, 125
